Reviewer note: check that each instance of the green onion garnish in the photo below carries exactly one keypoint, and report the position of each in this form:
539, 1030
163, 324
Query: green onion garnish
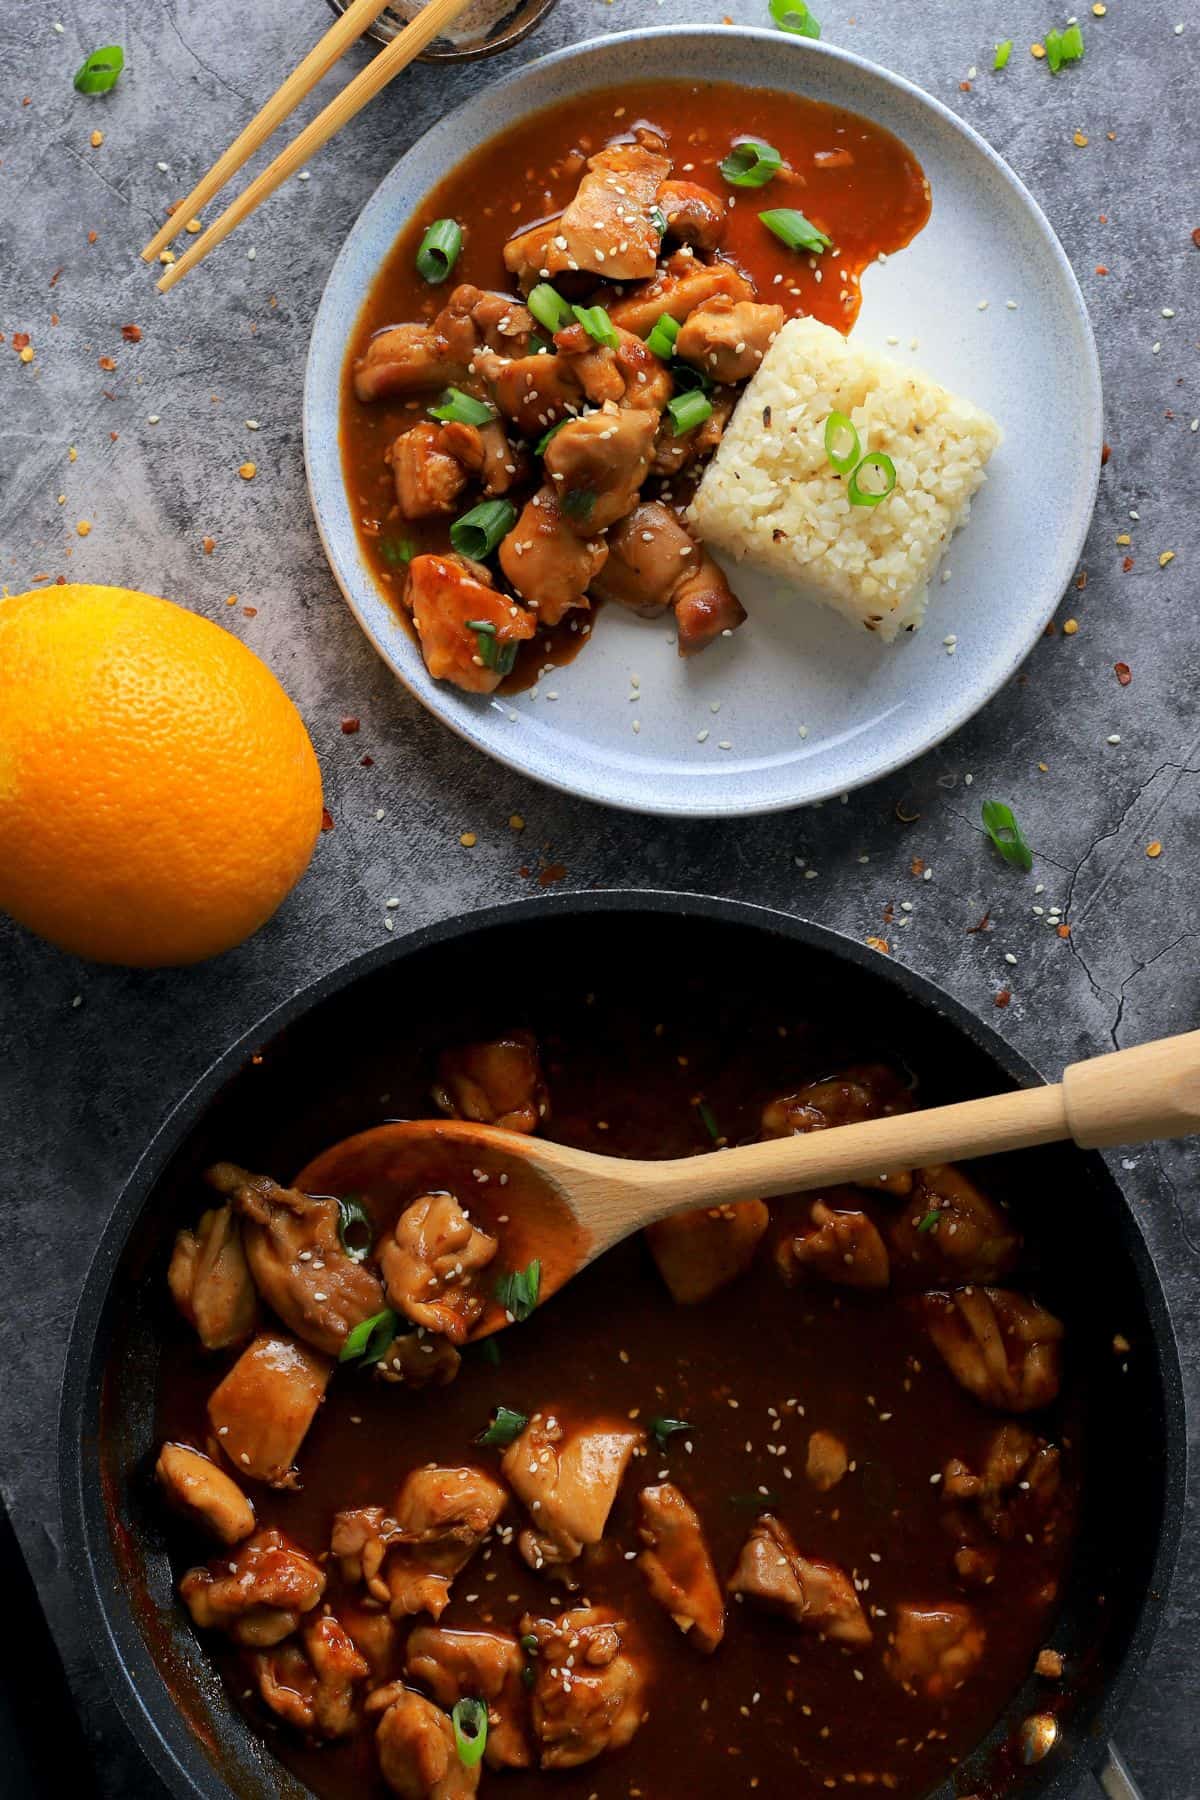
1003, 52
762, 1501
479, 531
470, 1721
658, 219
661, 341
549, 308
439, 251
797, 232
794, 16
598, 325
1071, 44
578, 503
689, 410
1005, 833
529, 1645
709, 1120
397, 550
686, 377
539, 449
857, 494
489, 1349
750, 163
840, 430
506, 1425
492, 653
929, 1221
99, 71
462, 409
370, 1338
353, 1216
664, 1428
518, 1291
1054, 55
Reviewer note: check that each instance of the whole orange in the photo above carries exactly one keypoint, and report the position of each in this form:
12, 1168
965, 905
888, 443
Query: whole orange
159, 794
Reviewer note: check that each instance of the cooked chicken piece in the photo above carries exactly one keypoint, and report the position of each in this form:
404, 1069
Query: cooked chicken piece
607, 229
1020, 1471
428, 477
485, 451
868, 1091
701, 1251
827, 1460
408, 1559
374, 1635
630, 375
419, 1359
644, 564
1000, 1346
694, 214
431, 1264
535, 392
728, 338
678, 290
407, 359
975, 1567
495, 1082
817, 1596
295, 1254
588, 1691
418, 1757
597, 464
932, 1650
673, 454
210, 1280
842, 1247
706, 607
258, 1595
484, 1665
678, 1567
568, 1477
949, 1231
448, 596
204, 1493
547, 562
311, 1684
501, 323
266, 1403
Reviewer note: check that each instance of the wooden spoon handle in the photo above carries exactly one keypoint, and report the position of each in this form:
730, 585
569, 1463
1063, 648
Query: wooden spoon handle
1131, 1096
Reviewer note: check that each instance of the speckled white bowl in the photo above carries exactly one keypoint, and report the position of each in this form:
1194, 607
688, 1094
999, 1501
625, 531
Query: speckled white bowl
797, 705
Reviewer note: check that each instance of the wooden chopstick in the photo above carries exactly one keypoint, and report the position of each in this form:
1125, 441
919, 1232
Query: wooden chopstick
433, 17
303, 78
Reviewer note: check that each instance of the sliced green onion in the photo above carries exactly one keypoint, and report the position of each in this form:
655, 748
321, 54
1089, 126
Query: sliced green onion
353, 1216
539, 449
709, 1120
686, 377
794, 16
505, 1426
857, 494
689, 410
489, 1349
598, 325
529, 1643
518, 1290
762, 1502
797, 232
1005, 833
370, 1338
99, 71
1054, 54
750, 164
397, 550
470, 1721
578, 503
665, 1428
929, 1221
838, 428
439, 251
658, 219
1071, 44
1003, 52
492, 653
549, 308
661, 341
479, 531
462, 409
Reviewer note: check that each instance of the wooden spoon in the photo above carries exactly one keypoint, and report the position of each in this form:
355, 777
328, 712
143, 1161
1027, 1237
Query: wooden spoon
566, 1207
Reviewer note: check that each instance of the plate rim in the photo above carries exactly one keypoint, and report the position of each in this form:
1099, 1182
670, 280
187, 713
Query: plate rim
717, 801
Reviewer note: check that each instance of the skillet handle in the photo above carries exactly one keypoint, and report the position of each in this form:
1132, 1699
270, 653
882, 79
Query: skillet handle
1114, 1778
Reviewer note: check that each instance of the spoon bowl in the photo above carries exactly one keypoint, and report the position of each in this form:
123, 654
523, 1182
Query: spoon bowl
517, 23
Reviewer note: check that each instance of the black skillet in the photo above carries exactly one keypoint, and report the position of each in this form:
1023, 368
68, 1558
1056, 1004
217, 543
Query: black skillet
316, 1069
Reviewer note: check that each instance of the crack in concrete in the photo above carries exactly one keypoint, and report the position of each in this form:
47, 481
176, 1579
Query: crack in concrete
1169, 1184
1140, 970
201, 64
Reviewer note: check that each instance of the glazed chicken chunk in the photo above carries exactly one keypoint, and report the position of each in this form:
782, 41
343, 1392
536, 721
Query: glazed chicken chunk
485, 1665
827, 1460
1020, 1472
597, 464
588, 1690
414, 1740
408, 1559
469, 631
265, 1405
545, 560
258, 1595
728, 338
497, 1082
701, 1251
677, 1565
677, 290
843, 1247
203, 1493
653, 563
628, 375
485, 452
868, 1091
694, 214
607, 229
1000, 1346
428, 476
431, 1266
535, 392
210, 1280
312, 1684
817, 1596
405, 359
568, 1478
419, 1359
933, 1649
295, 1252
950, 1231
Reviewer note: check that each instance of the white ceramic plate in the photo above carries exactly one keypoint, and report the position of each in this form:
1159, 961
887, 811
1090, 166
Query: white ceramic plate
808, 705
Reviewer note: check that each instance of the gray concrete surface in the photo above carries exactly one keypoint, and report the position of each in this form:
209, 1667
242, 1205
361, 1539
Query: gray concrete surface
91, 1058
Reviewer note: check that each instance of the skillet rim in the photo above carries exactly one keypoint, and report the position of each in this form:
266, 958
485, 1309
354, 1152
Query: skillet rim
134, 1681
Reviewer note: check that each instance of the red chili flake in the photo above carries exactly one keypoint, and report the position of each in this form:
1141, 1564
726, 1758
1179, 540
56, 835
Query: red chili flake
964, 87
1123, 673
54, 318
880, 944
350, 725
56, 274
1051, 630
1081, 580
1064, 931
1127, 564
1003, 997
326, 819
1101, 269
1105, 453
982, 925
366, 762
107, 364
208, 545
551, 873
92, 236
917, 866
249, 612
1196, 237
889, 913
20, 340
132, 334
256, 1059
113, 436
